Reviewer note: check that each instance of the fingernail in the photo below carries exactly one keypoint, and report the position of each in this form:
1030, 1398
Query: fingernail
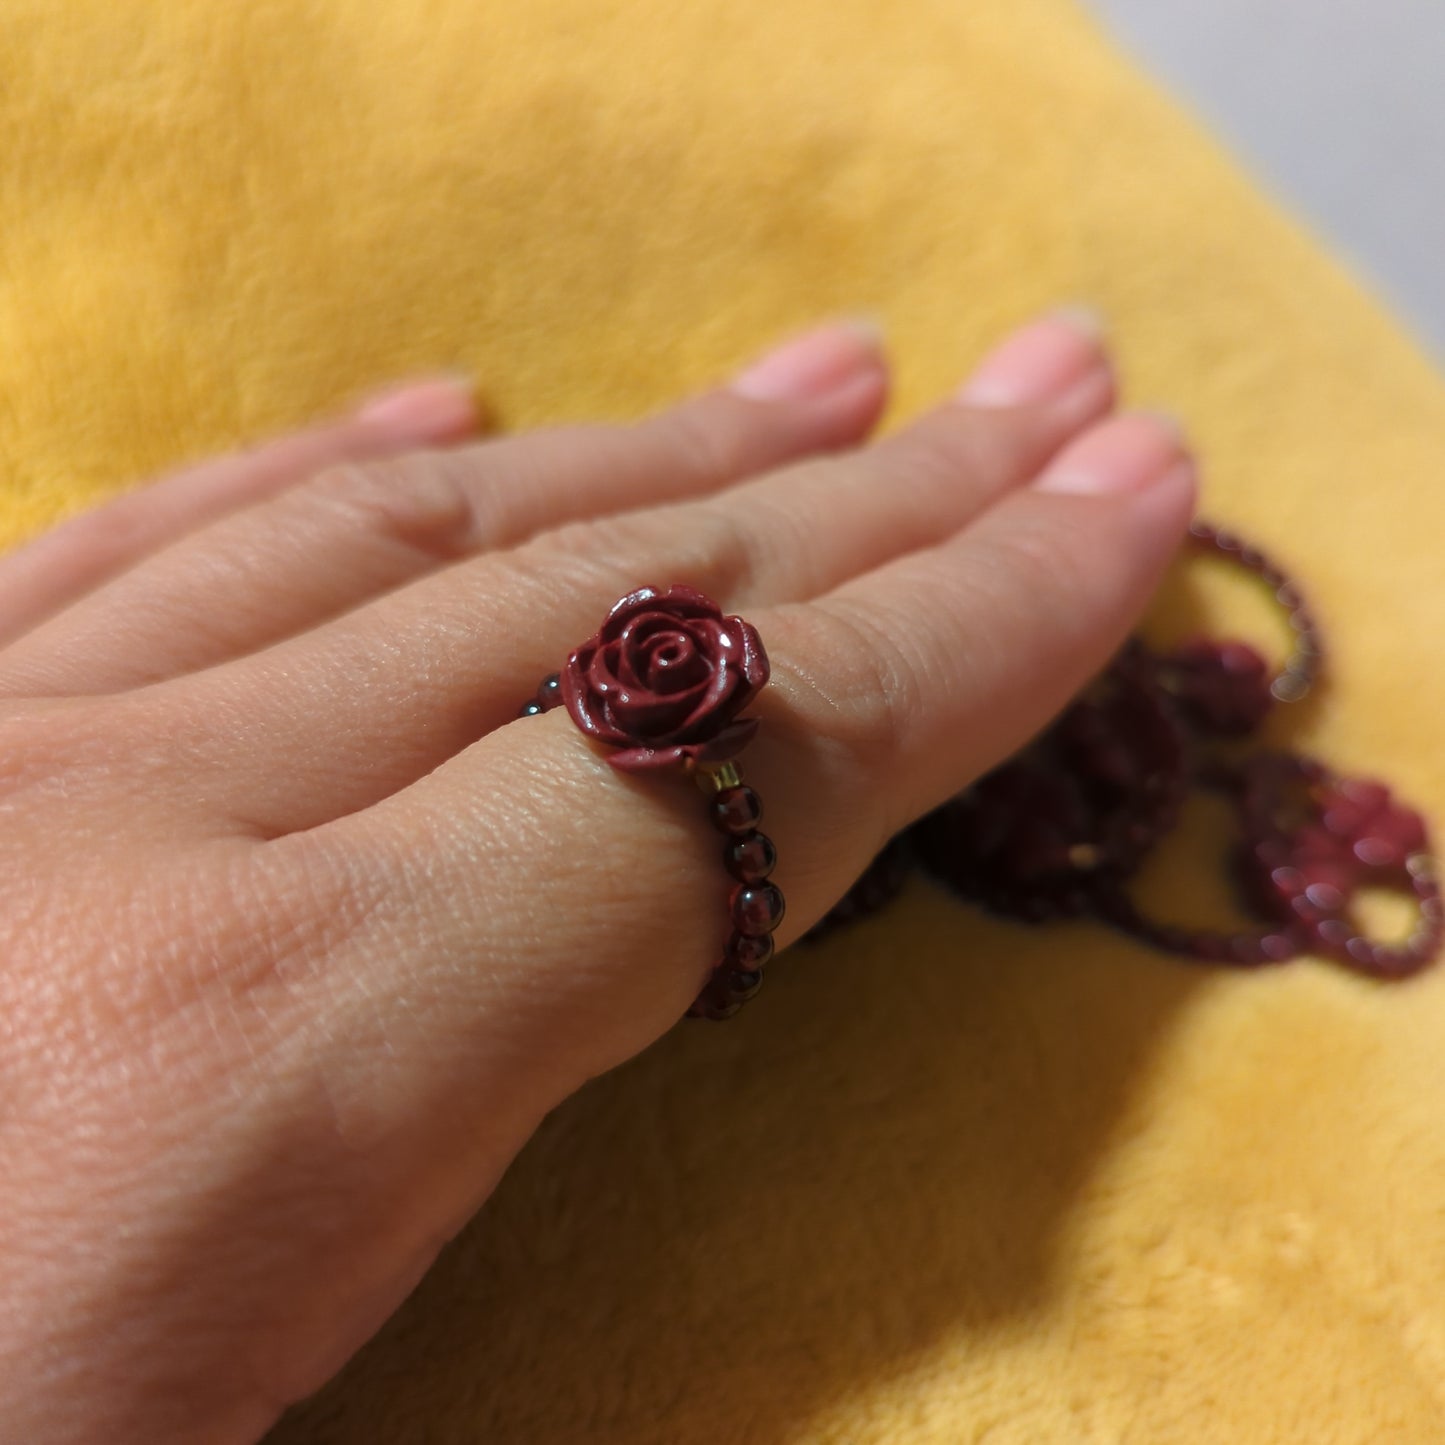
440, 409
1042, 362
1127, 454
815, 365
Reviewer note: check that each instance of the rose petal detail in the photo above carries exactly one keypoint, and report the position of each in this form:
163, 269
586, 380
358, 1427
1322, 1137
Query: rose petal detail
679, 711
640, 714
721, 749
673, 663
587, 708
675, 601
646, 760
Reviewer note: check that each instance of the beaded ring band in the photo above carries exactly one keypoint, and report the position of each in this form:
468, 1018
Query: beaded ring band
662, 683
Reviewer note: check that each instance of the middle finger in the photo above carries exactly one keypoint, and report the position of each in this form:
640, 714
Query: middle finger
346, 535
360, 708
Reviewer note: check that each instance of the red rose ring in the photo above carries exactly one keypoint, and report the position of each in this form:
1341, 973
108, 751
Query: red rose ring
663, 683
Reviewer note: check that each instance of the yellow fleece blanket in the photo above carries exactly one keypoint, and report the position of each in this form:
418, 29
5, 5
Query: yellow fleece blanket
949, 1180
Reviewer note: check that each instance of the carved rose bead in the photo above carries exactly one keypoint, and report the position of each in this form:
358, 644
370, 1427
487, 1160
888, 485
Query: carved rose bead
664, 680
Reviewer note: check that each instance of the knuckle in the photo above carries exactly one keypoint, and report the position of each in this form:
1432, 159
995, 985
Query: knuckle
600, 547
425, 503
297, 902
876, 683
702, 545
707, 441
954, 446
580, 560
719, 549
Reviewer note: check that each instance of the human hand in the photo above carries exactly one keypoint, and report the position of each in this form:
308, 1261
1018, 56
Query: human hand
304, 932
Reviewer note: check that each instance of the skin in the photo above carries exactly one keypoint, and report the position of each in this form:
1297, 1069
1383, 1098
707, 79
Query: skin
304, 932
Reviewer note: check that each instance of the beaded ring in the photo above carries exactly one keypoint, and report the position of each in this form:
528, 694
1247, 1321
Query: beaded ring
662, 683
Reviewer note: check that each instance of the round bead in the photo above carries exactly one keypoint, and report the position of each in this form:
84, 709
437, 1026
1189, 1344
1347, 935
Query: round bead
1379, 853
1361, 950
741, 986
530, 709
1289, 881
1325, 897
746, 953
1365, 792
1391, 962
737, 810
756, 909
549, 695
751, 858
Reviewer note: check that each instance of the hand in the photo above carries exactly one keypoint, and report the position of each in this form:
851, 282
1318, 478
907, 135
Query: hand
304, 931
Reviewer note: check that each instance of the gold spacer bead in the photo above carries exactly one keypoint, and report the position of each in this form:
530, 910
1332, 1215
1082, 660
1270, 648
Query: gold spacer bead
719, 778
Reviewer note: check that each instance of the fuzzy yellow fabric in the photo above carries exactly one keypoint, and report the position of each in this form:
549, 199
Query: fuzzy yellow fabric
948, 1179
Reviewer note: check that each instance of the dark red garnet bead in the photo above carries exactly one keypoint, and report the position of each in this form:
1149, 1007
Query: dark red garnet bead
756, 909
549, 695
1223, 687
747, 952
737, 810
751, 858
743, 985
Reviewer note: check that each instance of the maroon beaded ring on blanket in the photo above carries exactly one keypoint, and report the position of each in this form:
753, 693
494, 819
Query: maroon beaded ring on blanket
663, 683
